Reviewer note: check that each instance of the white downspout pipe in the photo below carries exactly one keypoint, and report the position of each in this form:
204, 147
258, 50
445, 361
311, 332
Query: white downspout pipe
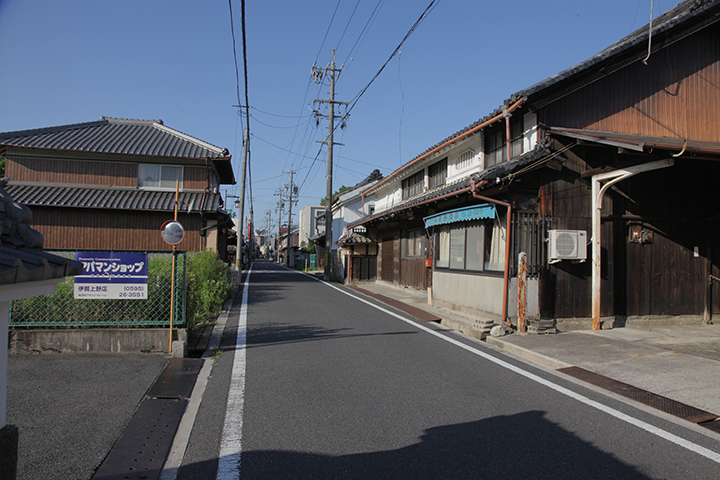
598, 192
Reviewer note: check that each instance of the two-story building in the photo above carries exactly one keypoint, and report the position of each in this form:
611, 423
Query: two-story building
311, 223
111, 184
602, 174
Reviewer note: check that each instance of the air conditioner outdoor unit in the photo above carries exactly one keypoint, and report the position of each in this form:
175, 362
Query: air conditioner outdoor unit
567, 245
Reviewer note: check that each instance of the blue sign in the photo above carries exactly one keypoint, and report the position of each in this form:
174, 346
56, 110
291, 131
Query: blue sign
112, 275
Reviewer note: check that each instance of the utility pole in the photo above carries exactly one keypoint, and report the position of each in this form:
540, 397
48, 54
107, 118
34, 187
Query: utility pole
238, 255
318, 74
280, 209
292, 190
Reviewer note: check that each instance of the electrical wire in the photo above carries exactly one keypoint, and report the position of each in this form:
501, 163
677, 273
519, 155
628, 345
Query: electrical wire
327, 31
281, 116
363, 33
237, 70
417, 23
290, 126
347, 25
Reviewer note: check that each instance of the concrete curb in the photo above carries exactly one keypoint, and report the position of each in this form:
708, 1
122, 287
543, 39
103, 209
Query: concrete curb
526, 353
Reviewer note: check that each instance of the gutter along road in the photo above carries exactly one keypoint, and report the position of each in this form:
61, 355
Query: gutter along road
317, 381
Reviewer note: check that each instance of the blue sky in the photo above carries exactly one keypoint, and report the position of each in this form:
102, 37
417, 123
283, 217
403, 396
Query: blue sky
76, 60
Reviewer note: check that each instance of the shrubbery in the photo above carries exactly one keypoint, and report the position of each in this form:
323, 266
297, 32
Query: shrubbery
209, 285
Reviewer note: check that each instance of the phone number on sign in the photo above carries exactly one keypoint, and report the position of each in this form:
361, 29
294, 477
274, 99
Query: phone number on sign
132, 294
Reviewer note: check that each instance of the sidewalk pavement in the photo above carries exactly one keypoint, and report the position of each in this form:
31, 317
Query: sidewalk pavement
680, 363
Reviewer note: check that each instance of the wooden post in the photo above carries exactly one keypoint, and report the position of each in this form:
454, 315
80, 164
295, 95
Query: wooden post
522, 292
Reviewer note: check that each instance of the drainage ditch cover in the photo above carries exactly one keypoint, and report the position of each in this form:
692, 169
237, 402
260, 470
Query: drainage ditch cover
667, 405
143, 447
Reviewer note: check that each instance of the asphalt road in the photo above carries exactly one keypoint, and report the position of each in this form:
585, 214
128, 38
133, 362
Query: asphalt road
335, 388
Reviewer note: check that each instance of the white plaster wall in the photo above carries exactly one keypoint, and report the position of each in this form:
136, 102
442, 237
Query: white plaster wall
386, 198
454, 173
468, 293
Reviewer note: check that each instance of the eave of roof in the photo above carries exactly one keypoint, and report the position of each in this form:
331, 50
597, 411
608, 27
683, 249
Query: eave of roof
676, 17
114, 198
639, 143
632, 46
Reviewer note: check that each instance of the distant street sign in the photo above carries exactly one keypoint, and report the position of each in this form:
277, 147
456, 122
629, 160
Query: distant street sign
112, 275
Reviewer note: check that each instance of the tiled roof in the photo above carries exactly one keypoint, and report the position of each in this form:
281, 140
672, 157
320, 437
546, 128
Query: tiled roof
113, 198
683, 13
354, 238
115, 135
22, 258
487, 178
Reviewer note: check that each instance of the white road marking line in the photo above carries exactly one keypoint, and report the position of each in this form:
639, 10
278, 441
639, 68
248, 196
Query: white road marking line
693, 447
231, 443
182, 437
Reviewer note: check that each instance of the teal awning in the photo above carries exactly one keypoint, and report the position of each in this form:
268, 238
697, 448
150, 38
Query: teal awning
476, 212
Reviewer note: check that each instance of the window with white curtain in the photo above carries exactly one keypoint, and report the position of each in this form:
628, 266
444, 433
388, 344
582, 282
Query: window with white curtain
477, 246
442, 259
159, 176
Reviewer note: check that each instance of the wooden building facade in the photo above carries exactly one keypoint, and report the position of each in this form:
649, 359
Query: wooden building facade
641, 129
111, 184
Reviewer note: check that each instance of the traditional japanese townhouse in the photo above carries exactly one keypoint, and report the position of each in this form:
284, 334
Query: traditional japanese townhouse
110, 184
356, 253
604, 175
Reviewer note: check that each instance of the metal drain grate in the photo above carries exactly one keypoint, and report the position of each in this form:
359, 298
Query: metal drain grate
177, 379
143, 447
667, 405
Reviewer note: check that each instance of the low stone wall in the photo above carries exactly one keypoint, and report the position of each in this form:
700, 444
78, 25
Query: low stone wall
97, 340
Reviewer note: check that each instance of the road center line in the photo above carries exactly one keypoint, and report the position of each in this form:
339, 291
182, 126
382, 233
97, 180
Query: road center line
231, 443
693, 447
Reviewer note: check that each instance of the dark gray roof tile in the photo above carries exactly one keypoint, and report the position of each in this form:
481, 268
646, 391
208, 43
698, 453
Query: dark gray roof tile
115, 135
22, 259
113, 198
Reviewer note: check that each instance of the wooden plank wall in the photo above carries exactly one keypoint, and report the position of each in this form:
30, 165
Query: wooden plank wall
117, 230
678, 205
85, 172
413, 272
674, 95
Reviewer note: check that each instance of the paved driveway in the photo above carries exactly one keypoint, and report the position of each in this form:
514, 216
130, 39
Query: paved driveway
72, 408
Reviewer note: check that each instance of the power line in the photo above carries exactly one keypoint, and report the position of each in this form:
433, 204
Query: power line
347, 25
417, 23
361, 37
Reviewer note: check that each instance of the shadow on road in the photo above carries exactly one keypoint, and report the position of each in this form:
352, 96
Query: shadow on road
522, 446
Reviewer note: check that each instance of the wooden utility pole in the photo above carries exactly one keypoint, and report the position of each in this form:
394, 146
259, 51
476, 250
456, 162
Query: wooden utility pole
238, 255
318, 74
